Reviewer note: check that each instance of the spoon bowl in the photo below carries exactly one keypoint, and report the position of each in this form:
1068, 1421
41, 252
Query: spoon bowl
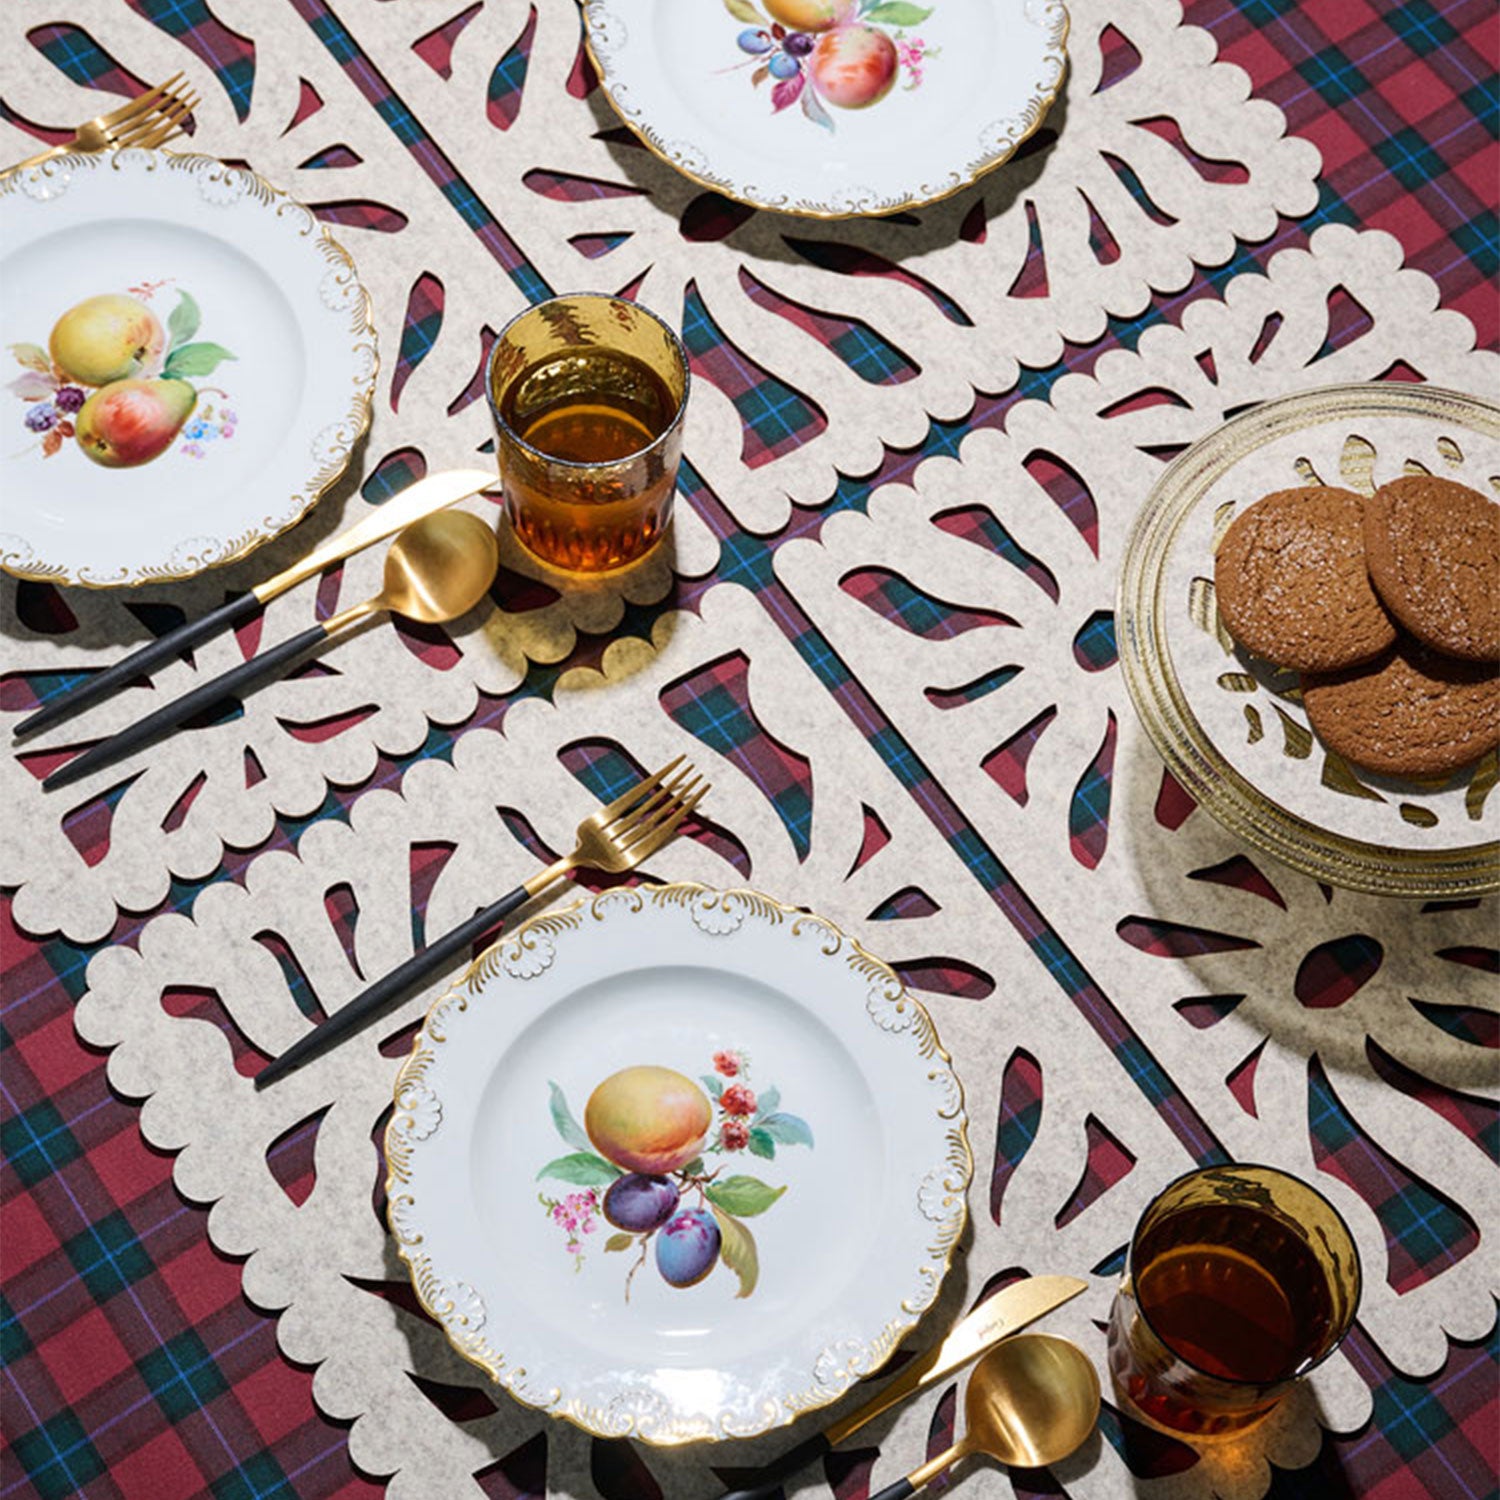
1031, 1400
438, 568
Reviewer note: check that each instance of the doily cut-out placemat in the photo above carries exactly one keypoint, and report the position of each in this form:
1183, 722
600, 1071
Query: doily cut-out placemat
911, 711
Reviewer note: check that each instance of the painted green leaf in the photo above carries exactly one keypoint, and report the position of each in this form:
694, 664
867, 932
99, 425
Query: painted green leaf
183, 323
788, 1130
742, 10
33, 356
743, 1195
567, 1127
761, 1144
737, 1251
582, 1169
619, 1242
694, 1168
765, 1104
898, 13
194, 359
713, 1083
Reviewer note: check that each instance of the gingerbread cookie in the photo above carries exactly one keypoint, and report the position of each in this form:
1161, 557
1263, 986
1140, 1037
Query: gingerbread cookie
1292, 584
1433, 548
1411, 712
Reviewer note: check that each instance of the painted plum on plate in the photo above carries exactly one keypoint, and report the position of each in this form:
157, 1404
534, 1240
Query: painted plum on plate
651, 1160
117, 382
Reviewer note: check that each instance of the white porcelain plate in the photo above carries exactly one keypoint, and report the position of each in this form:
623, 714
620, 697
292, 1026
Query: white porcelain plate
831, 108
1231, 728
188, 361
736, 1066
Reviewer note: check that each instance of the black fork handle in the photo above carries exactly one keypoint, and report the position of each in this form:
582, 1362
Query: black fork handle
383, 994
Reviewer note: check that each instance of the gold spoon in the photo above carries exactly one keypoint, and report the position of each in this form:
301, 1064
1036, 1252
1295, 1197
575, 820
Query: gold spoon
438, 568
1031, 1400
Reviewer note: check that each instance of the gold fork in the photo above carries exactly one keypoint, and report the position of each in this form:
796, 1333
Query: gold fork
148, 120
614, 839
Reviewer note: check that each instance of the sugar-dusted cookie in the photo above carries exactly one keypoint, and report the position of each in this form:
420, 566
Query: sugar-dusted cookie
1292, 584
1433, 547
1411, 712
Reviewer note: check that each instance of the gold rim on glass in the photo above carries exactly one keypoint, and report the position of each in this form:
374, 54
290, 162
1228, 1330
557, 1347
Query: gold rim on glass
674, 341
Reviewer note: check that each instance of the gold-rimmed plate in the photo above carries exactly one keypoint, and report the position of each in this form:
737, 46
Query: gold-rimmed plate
677, 1164
1232, 728
190, 362
830, 108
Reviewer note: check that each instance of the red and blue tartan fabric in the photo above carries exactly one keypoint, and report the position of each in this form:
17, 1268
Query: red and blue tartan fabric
135, 1367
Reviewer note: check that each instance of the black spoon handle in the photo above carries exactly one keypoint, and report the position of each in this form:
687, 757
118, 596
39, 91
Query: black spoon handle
152, 654
143, 731
898, 1491
381, 995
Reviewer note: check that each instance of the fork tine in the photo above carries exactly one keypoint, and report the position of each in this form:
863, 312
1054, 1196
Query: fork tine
133, 107
640, 789
662, 796
646, 846
157, 127
173, 107
166, 130
135, 134
637, 833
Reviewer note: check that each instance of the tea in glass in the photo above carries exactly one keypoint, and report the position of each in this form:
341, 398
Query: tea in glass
588, 395
1241, 1280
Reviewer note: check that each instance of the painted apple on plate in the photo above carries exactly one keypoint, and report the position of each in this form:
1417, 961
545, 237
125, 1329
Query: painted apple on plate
117, 382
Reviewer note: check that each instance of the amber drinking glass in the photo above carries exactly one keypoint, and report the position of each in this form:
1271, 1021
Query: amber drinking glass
1241, 1280
588, 394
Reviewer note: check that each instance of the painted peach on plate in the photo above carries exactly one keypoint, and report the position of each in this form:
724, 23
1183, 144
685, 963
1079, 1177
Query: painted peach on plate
648, 1119
854, 66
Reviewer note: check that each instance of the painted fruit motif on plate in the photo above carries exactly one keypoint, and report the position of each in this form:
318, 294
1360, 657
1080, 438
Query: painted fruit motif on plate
116, 381
652, 1161
847, 53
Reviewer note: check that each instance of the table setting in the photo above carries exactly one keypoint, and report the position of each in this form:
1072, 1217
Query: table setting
749, 749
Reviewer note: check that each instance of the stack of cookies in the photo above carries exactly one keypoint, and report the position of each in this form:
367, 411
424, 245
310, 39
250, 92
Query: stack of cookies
1388, 607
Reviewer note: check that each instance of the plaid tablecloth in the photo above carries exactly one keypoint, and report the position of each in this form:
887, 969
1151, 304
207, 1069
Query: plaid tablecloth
134, 1366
